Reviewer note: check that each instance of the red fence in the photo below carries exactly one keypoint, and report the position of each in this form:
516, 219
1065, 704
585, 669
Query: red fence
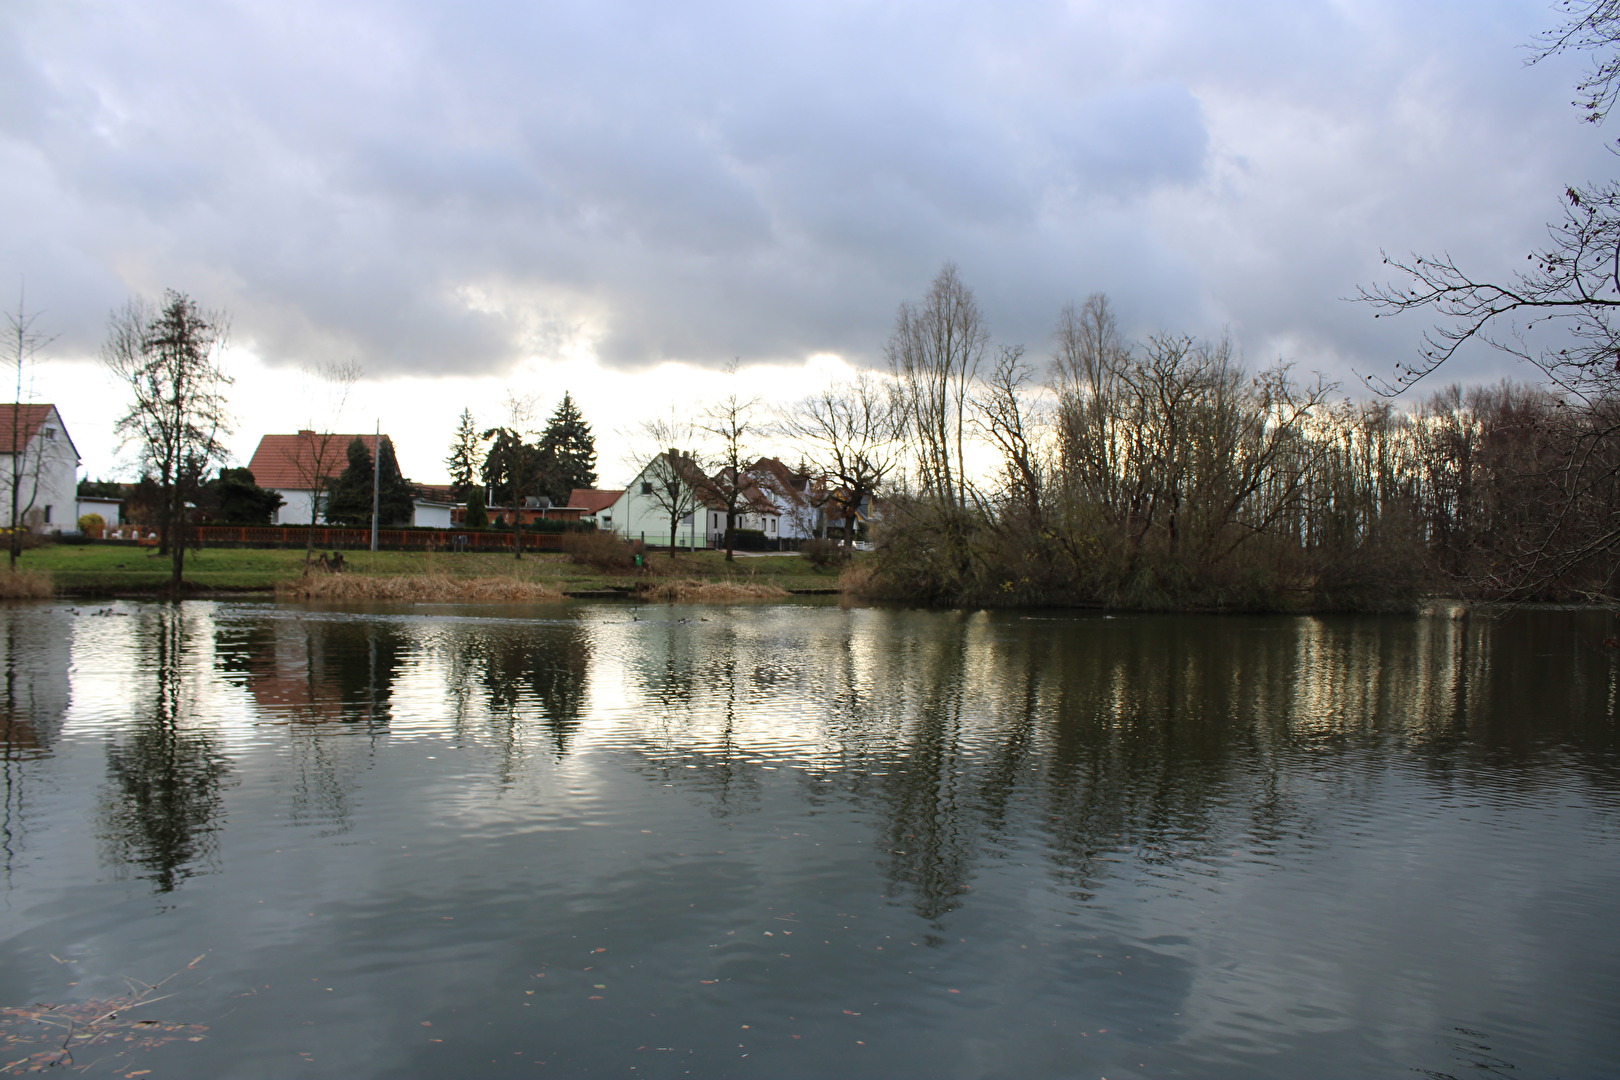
352, 539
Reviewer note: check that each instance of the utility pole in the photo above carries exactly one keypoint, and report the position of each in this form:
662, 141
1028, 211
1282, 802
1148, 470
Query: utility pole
376, 488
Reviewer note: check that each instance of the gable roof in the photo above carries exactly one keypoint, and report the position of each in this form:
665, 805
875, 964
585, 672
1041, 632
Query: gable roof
592, 500
793, 487
286, 462
28, 417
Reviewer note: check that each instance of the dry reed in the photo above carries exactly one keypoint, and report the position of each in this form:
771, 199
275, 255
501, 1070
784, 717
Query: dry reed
413, 587
710, 592
858, 580
26, 585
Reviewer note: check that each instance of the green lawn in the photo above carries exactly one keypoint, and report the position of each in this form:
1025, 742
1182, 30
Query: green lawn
95, 567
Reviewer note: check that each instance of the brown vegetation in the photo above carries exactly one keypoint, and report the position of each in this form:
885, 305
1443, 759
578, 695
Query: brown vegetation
601, 550
689, 590
25, 585
413, 587
1164, 476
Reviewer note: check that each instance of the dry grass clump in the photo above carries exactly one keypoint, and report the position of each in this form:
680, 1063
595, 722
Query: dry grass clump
710, 592
859, 580
603, 550
25, 585
413, 587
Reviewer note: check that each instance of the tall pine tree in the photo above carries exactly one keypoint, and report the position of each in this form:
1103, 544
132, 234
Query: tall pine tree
568, 443
466, 460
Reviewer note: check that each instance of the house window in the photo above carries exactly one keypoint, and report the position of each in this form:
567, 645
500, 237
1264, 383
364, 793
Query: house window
687, 520
50, 436
646, 487
47, 513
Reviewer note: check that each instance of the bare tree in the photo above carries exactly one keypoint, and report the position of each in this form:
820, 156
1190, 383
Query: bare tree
673, 478
23, 343
731, 425
512, 467
169, 359
320, 452
851, 436
934, 355
1560, 312
1002, 412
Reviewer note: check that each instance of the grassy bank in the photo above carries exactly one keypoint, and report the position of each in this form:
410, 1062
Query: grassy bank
105, 570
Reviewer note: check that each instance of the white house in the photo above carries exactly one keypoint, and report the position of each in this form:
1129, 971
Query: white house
110, 509
38, 457
642, 510
433, 506
797, 497
672, 480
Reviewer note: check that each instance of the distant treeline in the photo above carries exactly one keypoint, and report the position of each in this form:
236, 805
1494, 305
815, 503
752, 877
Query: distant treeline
1164, 475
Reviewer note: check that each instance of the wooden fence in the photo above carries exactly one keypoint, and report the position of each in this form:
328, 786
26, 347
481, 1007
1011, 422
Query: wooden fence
335, 539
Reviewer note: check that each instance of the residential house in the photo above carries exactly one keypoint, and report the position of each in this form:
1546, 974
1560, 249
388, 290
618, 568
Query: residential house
433, 506
797, 496
596, 505
755, 512
36, 452
292, 465
673, 481
670, 481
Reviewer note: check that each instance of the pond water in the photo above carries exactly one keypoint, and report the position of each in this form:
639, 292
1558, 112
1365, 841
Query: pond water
804, 840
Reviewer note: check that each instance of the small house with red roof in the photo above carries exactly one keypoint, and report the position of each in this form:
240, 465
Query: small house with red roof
39, 459
301, 467
596, 505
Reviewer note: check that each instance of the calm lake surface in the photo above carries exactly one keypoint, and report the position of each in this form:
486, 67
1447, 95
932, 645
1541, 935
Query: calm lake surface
802, 840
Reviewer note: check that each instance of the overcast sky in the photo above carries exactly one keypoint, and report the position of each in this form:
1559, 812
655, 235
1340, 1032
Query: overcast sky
618, 198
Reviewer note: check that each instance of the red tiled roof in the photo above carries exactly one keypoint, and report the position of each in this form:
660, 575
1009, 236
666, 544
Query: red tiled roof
27, 417
592, 500
288, 462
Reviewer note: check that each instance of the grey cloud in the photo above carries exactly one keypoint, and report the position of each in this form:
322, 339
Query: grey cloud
704, 181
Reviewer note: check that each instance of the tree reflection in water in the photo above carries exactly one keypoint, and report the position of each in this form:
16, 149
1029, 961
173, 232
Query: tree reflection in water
166, 771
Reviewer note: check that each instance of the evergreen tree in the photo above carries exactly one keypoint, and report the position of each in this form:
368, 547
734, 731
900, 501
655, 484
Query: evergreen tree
477, 515
349, 502
571, 449
513, 469
235, 498
466, 458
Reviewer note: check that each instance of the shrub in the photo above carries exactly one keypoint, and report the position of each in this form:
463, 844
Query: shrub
92, 525
604, 550
823, 554
25, 585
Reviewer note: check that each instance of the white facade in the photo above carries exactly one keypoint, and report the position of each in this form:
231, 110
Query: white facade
748, 519
294, 509
47, 474
799, 518
426, 514
111, 510
638, 515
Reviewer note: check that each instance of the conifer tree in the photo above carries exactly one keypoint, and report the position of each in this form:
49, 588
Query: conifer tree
350, 500
466, 459
570, 448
